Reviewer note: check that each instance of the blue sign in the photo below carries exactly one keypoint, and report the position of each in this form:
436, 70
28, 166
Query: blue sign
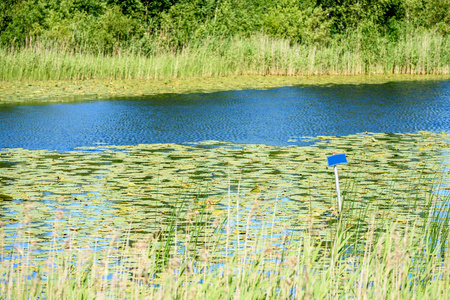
336, 159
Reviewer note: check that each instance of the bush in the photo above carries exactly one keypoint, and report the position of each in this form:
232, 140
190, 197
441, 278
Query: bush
288, 20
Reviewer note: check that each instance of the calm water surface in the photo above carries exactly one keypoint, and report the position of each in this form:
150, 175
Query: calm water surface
274, 117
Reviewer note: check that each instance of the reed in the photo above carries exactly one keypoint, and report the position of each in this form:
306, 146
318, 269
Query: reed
421, 53
235, 237
378, 261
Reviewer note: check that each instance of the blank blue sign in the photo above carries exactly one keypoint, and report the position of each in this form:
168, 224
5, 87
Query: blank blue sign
336, 159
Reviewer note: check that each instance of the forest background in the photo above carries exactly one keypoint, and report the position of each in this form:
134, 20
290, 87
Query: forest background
176, 38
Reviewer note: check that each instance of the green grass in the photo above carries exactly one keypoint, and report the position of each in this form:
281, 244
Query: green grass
150, 221
186, 259
395, 262
419, 53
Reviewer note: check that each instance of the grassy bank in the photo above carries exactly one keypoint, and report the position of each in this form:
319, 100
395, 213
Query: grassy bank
46, 71
425, 53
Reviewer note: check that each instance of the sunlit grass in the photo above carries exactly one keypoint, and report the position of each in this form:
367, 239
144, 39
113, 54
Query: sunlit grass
425, 53
385, 260
150, 221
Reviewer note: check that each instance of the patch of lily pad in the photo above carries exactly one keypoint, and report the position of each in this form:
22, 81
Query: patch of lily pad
35, 92
94, 193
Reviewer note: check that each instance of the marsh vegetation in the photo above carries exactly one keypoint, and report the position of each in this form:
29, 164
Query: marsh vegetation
425, 53
222, 220
139, 39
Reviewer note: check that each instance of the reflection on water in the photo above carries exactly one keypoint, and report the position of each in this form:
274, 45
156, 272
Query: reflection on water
273, 117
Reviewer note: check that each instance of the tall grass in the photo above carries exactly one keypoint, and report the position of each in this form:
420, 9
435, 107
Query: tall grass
186, 259
421, 53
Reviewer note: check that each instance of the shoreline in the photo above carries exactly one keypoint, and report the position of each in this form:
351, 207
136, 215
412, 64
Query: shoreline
54, 91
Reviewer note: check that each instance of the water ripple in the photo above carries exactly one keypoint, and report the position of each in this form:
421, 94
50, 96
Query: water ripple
270, 117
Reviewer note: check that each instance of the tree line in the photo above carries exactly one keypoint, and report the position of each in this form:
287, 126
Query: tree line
109, 26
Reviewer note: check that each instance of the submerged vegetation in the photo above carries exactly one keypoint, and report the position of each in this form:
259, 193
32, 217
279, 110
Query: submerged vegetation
141, 39
220, 220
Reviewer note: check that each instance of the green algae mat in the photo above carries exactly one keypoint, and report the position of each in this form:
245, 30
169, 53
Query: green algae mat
92, 194
81, 90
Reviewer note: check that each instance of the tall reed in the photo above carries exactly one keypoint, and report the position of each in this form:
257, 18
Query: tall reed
421, 53
383, 260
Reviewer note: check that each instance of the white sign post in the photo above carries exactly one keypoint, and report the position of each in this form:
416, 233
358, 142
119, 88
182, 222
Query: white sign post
333, 161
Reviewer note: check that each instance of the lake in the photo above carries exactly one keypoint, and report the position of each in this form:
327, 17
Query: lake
277, 117
203, 179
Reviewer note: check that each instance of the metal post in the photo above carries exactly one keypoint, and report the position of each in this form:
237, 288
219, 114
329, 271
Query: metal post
338, 191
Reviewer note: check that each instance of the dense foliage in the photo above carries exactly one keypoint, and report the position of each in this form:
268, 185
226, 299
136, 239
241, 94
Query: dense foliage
109, 26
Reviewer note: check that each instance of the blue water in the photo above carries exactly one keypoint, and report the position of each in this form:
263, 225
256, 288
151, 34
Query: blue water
272, 117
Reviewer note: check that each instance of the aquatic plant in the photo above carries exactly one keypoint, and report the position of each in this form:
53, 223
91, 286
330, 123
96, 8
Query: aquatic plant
259, 54
221, 220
